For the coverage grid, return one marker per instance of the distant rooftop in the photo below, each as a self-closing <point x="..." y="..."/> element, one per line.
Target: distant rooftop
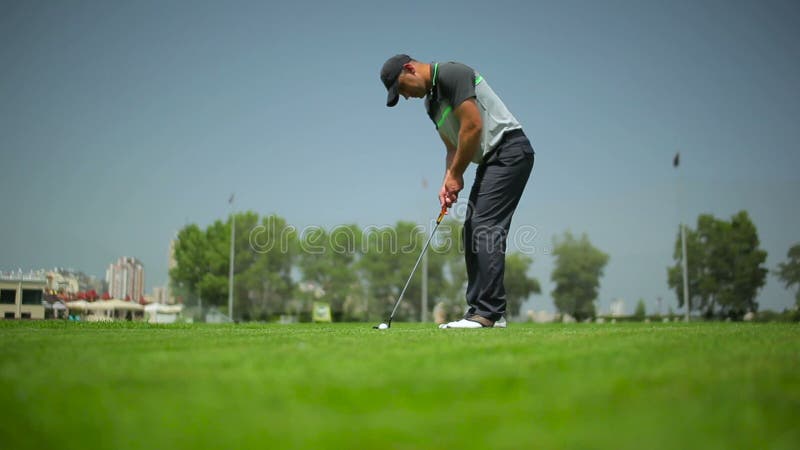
<point x="19" y="275"/>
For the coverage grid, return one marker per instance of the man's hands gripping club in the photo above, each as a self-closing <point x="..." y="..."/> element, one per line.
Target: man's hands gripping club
<point x="452" y="185"/>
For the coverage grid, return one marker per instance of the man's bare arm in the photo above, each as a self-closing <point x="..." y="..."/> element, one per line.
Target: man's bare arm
<point x="469" y="135"/>
<point x="469" y="139"/>
<point x="451" y="152"/>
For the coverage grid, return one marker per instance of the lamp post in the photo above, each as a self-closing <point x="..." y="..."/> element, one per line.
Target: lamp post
<point x="424" y="306"/>
<point x="424" y="317"/>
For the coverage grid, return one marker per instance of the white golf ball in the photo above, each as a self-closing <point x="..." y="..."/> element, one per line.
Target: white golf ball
<point x="383" y="326"/>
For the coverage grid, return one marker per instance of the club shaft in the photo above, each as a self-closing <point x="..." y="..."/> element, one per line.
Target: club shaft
<point x="414" y="270"/>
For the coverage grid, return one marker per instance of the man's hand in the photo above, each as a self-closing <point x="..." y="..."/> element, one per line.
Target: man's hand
<point x="452" y="185"/>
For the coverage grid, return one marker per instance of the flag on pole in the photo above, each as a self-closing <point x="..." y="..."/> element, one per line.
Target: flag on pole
<point x="230" y="200"/>
<point x="677" y="160"/>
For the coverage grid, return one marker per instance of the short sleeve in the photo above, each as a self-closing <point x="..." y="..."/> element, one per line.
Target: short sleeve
<point x="457" y="82"/>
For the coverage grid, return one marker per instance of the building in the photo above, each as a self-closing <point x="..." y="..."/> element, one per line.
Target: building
<point x="171" y="264"/>
<point x="70" y="283"/>
<point x="61" y="282"/>
<point x="125" y="279"/>
<point x="618" y="308"/>
<point x="21" y="295"/>
<point x="161" y="295"/>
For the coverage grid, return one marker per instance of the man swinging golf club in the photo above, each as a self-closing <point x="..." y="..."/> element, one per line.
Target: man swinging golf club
<point x="475" y="126"/>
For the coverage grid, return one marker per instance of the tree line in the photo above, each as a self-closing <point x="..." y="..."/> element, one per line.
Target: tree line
<point x="726" y="270"/>
<point x="360" y="272"/>
<point x="726" y="267"/>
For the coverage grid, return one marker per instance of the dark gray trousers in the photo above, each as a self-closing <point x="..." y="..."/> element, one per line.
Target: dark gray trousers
<point x="499" y="183"/>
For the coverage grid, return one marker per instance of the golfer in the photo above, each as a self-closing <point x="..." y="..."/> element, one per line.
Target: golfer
<point x="475" y="126"/>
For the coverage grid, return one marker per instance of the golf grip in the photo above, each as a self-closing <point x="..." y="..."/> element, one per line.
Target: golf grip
<point x="438" y="221"/>
<point x="441" y="215"/>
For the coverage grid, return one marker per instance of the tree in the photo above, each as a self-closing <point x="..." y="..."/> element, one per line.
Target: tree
<point x="519" y="286"/>
<point x="789" y="272"/>
<point x="579" y="266"/>
<point x="213" y="284"/>
<point x="725" y="266"/>
<point x="641" y="312"/>
<point x="189" y="252"/>
<point x="265" y="255"/>
<point x="327" y="259"/>
<point x="264" y="251"/>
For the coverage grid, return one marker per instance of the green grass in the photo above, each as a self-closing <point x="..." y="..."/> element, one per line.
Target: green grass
<point x="73" y="385"/>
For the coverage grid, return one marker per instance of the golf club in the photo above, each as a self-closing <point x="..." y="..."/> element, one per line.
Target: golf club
<point x="388" y="323"/>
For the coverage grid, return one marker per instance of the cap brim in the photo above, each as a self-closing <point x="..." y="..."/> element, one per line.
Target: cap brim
<point x="393" y="96"/>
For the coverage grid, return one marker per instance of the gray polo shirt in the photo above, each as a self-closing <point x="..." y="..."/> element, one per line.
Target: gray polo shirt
<point x="453" y="83"/>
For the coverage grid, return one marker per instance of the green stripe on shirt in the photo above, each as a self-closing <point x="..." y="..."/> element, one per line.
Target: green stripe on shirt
<point x="444" y="116"/>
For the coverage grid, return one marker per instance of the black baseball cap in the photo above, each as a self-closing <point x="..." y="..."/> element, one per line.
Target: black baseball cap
<point x="389" y="75"/>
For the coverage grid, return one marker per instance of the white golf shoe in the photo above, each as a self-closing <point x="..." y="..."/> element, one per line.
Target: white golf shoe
<point x="475" y="322"/>
<point x="463" y="323"/>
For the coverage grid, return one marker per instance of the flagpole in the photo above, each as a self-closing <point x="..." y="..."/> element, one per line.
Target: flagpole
<point x="684" y="258"/>
<point x="230" y="273"/>
<point x="685" y="270"/>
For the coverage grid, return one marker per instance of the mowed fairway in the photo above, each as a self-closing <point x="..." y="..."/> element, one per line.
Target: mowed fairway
<point x="132" y="385"/>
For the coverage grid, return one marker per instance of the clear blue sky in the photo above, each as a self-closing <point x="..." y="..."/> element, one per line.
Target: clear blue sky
<point x="120" y="122"/>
